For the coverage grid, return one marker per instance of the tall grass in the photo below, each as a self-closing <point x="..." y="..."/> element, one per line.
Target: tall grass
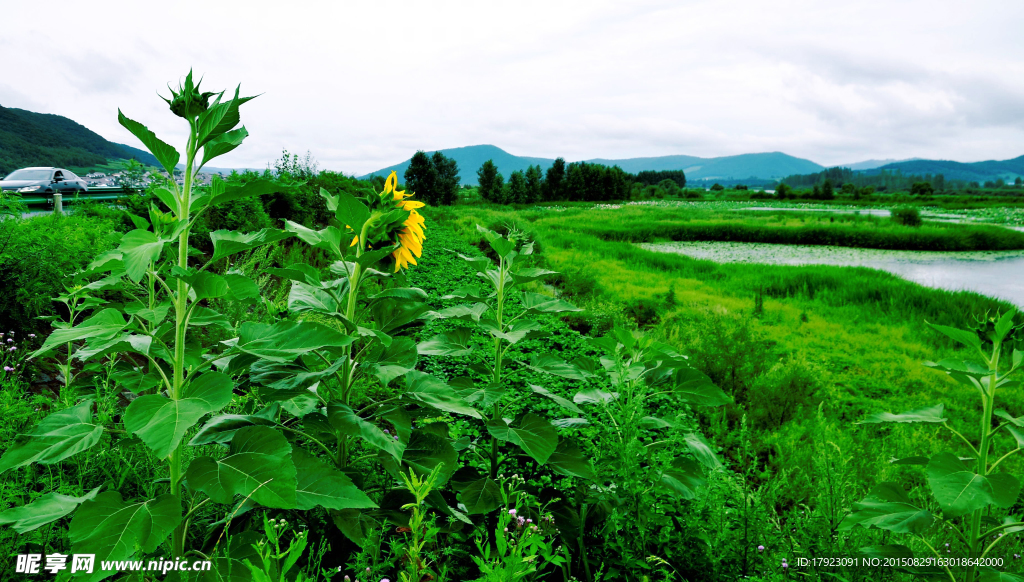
<point x="653" y="224"/>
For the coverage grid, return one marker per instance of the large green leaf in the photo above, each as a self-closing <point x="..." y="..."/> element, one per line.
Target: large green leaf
<point x="164" y="153"/>
<point x="139" y="249"/>
<point x="303" y="297"/>
<point x="532" y="433"/>
<point x="594" y="396"/>
<point x="57" y="437"/>
<point x="204" y="285"/>
<point x="481" y="496"/>
<point x="888" y="507"/>
<point x="104" y="325"/>
<point x="967" y="338"/>
<point x="286" y="340"/>
<point x="528" y="274"/>
<point x="219" y="117"/>
<point x="328" y="239"/>
<point x="390" y="362"/>
<point x="425" y="451"/>
<point x="926" y="414"/>
<point x="568" y="459"/>
<point x="556" y="366"/>
<point x="436" y="394"/>
<point x="701" y="449"/>
<point x="451" y="343"/>
<point x="222" y="428"/>
<point x="355" y="524"/>
<point x="229" y="242"/>
<point x="259" y="465"/>
<point x="563" y="402"/>
<point x="345" y="421"/>
<point x="694" y="387"/>
<point x="112" y="529"/>
<point x="234" y="191"/>
<point x="223" y="144"/>
<point x="126" y="342"/>
<point x="161" y="423"/>
<point x="46" y="509"/>
<point x="683" y="478"/>
<point x="348" y="210"/>
<point x="320" y="484"/>
<point x="537" y="303"/>
<point x="241" y="288"/>
<point x="959" y="490"/>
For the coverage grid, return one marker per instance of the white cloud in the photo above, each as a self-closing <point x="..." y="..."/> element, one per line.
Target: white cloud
<point x="362" y="84"/>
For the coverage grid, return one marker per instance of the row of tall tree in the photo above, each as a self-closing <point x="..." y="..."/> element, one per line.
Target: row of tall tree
<point x="434" y="179"/>
<point x="578" y="181"/>
<point x="884" y="180"/>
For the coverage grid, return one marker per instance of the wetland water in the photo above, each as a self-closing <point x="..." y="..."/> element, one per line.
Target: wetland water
<point x="993" y="273"/>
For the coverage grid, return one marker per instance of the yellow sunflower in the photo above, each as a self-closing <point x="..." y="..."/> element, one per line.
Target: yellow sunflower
<point x="411" y="237"/>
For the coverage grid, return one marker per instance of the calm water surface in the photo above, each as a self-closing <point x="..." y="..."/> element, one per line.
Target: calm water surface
<point x="993" y="273"/>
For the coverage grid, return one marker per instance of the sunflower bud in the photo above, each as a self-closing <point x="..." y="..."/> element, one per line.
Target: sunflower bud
<point x="188" y="102"/>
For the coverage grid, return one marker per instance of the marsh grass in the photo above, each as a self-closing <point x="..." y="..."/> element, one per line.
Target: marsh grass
<point x="851" y="338"/>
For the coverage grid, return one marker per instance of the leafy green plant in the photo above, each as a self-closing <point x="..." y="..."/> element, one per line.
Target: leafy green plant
<point x="968" y="490"/>
<point x="274" y="562"/>
<point x="165" y="298"/>
<point x="907" y="216"/>
<point x="503" y="316"/>
<point x="420" y="531"/>
<point x="525" y="538"/>
<point x="636" y="377"/>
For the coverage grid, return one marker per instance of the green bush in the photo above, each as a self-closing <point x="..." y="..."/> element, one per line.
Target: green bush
<point x="643" y="311"/>
<point x="780" y="394"/>
<point x="37" y="253"/>
<point x="907" y="216"/>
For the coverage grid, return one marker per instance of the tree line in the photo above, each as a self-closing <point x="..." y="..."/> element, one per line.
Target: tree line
<point x="572" y="182"/>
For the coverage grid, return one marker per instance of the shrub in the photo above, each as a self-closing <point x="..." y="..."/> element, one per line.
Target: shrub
<point x="907" y="216"/>
<point x="575" y="283"/>
<point x="643" y="311"/>
<point x="779" y="394"/>
<point x="35" y="256"/>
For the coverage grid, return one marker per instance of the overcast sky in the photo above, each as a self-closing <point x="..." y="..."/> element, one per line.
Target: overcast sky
<point x="362" y="85"/>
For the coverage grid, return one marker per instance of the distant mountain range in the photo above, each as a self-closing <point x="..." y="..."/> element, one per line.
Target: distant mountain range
<point x="41" y="139"/>
<point x="972" y="172"/>
<point x="764" y="166"/>
<point x="872" y="164"/>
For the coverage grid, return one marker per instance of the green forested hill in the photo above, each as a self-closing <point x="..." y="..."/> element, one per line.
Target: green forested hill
<point x="41" y="139"/>
<point x="973" y="171"/>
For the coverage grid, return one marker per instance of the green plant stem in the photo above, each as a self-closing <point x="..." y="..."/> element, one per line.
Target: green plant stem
<point x="181" y="324"/>
<point x="1001" y="459"/>
<point x="499" y="316"/>
<point x="937" y="555"/>
<point x="982" y="467"/>
<point x="350" y="311"/>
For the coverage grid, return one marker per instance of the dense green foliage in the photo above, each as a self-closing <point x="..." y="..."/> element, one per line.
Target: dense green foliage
<point x="277" y="373"/>
<point x="435" y="179"/>
<point x="575" y="182"/>
<point x="37" y="253"/>
<point x="650" y="224"/>
<point x="648" y="177"/>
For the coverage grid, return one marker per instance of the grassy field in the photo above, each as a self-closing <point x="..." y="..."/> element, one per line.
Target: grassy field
<point x="720" y="222"/>
<point x="797" y="346"/>
<point x="805" y="353"/>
